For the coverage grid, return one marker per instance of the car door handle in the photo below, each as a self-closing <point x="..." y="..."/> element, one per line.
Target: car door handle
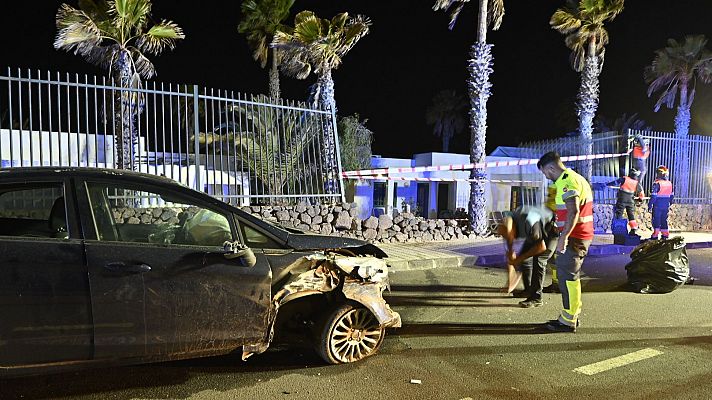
<point x="127" y="268"/>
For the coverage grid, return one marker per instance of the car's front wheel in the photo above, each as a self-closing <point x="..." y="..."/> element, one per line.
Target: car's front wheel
<point x="350" y="333"/>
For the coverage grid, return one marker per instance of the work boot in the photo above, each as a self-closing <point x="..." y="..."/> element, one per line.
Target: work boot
<point x="654" y="238"/>
<point x="531" y="303"/>
<point x="665" y="237"/>
<point x="555" y="321"/>
<point x="553" y="288"/>
<point x="632" y="232"/>
<point x="557" y="326"/>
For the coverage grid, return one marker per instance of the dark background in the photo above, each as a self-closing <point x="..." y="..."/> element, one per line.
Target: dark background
<point x="392" y="74"/>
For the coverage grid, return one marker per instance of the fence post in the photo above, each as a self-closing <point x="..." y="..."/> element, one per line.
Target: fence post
<point x="622" y="148"/>
<point x="196" y="143"/>
<point x="338" y="156"/>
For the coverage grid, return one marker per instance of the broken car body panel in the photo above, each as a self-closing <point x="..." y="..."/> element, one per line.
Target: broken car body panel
<point x="360" y="279"/>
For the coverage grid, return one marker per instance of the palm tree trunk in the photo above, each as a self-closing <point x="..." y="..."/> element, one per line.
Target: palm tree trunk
<point x="323" y="97"/>
<point x="479" y="89"/>
<point x="274" y="91"/>
<point x="124" y="121"/>
<point x="587" y="106"/>
<point x="681" y="167"/>
<point x="446" y="143"/>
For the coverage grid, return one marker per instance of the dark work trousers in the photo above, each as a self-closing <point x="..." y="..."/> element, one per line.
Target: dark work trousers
<point x="534" y="268"/>
<point x="626" y="206"/>
<point x="640" y="165"/>
<point x="660" y="217"/>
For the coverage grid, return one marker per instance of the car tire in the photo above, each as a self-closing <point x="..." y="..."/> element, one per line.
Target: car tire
<point x="349" y="333"/>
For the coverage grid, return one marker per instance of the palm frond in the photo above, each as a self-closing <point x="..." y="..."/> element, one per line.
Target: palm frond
<point x="583" y="22"/>
<point x="675" y="67"/>
<point x="261" y="20"/>
<point x="495" y="11"/>
<point x="77" y="31"/>
<point x="316" y="44"/>
<point x="160" y="37"/>
<point x="130" y="15"/>
<point x="143" y="65"/>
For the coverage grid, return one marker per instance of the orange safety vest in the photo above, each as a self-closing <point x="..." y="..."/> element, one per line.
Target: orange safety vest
<point x="630" y="185"/>
<point x="638" y="152"/>
<point x="665" y="188"/>
<point x="572" y="184"/>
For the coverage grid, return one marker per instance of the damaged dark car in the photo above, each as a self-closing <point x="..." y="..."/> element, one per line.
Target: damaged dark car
<point x="103" y="266"/>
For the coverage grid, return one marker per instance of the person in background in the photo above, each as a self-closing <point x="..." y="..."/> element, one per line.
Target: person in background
<point x="574" y="217"/>
<point x="629" y="188"/>
<point x="538" y="229"/>
<point x="661" y="198"/>
<point x="641" y="152"/>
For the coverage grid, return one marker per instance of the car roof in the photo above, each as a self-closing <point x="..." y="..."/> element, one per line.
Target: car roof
<point x="81" y="171"/>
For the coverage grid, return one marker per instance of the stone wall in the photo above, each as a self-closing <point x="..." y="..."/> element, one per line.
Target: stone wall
<point x="682" y="217"/>
<point x="342" y="220"/>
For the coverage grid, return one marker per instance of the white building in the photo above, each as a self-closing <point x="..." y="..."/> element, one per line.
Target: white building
<point x="505" y="190"/>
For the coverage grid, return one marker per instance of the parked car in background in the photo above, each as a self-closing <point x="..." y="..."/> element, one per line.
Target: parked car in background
<point x="104" y="266"/>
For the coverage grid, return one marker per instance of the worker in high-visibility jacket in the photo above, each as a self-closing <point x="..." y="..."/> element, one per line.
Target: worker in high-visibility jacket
<point x="661" y="197"/>
<point x="641" y="152"/>
<point x="574" y="217"/>
<point x="628" y="189"/>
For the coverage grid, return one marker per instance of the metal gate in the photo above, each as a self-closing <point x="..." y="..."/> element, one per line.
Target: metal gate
<point x="243" y="149"/>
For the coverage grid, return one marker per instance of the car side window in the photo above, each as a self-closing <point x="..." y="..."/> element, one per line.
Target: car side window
<point x="132" y="214"/>
<point x="257" y="239"/>
<point x="33" y="210"/>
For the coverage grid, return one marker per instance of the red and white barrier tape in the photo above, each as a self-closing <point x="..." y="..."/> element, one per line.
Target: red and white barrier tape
<point x="462" y="167"/>
<point x="418" y="179"/>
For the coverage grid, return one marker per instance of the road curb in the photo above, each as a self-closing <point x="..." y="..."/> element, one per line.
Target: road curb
<point x="596" y="250"/>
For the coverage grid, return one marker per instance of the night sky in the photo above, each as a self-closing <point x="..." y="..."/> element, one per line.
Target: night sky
<point x="392" y="74"/>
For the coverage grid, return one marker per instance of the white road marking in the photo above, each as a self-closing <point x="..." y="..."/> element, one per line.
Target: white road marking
<point x="615" y="362"/>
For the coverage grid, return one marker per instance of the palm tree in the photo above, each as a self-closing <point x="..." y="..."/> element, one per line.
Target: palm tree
<point x="674" y="74"/>
<point x="115" y="35"/>
<point x="261" y="20"/>
<point x="446" y="115"/>
<point x="582" y="24"/>
<point x="479" y="90"/>
<point x="319" y="45"/>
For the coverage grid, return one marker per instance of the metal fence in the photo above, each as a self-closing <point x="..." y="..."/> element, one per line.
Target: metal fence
<point x="243" y="149"/>
<point x="692" y="182"/>
<point x="603" y="170"/>
<point x="665" y="150"/>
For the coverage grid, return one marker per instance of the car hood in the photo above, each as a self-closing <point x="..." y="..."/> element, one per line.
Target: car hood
<point x="322" y="242"/>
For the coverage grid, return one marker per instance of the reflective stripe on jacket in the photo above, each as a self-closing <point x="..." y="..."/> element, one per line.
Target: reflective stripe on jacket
<point x="568" y="185"/>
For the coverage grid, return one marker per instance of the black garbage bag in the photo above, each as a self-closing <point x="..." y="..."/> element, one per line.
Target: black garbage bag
<point x="658" y="266"/>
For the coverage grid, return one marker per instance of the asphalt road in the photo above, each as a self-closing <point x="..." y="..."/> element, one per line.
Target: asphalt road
<point x="462" y="339"/>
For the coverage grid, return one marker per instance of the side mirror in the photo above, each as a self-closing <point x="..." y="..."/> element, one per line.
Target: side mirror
<point x="235" y="250"/>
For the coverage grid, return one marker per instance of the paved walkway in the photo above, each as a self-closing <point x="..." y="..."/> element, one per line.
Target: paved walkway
<point x="490" y="251"/>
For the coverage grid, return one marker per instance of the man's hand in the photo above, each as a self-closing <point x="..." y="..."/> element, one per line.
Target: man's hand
<point x="561" y="245"/>
<point x="511" y="257"/>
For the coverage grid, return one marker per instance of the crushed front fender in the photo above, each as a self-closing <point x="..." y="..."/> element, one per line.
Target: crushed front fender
<point x="360" y="279"/>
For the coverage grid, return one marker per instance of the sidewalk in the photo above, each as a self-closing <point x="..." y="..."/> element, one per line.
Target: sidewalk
<point x="489" y="252"/>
